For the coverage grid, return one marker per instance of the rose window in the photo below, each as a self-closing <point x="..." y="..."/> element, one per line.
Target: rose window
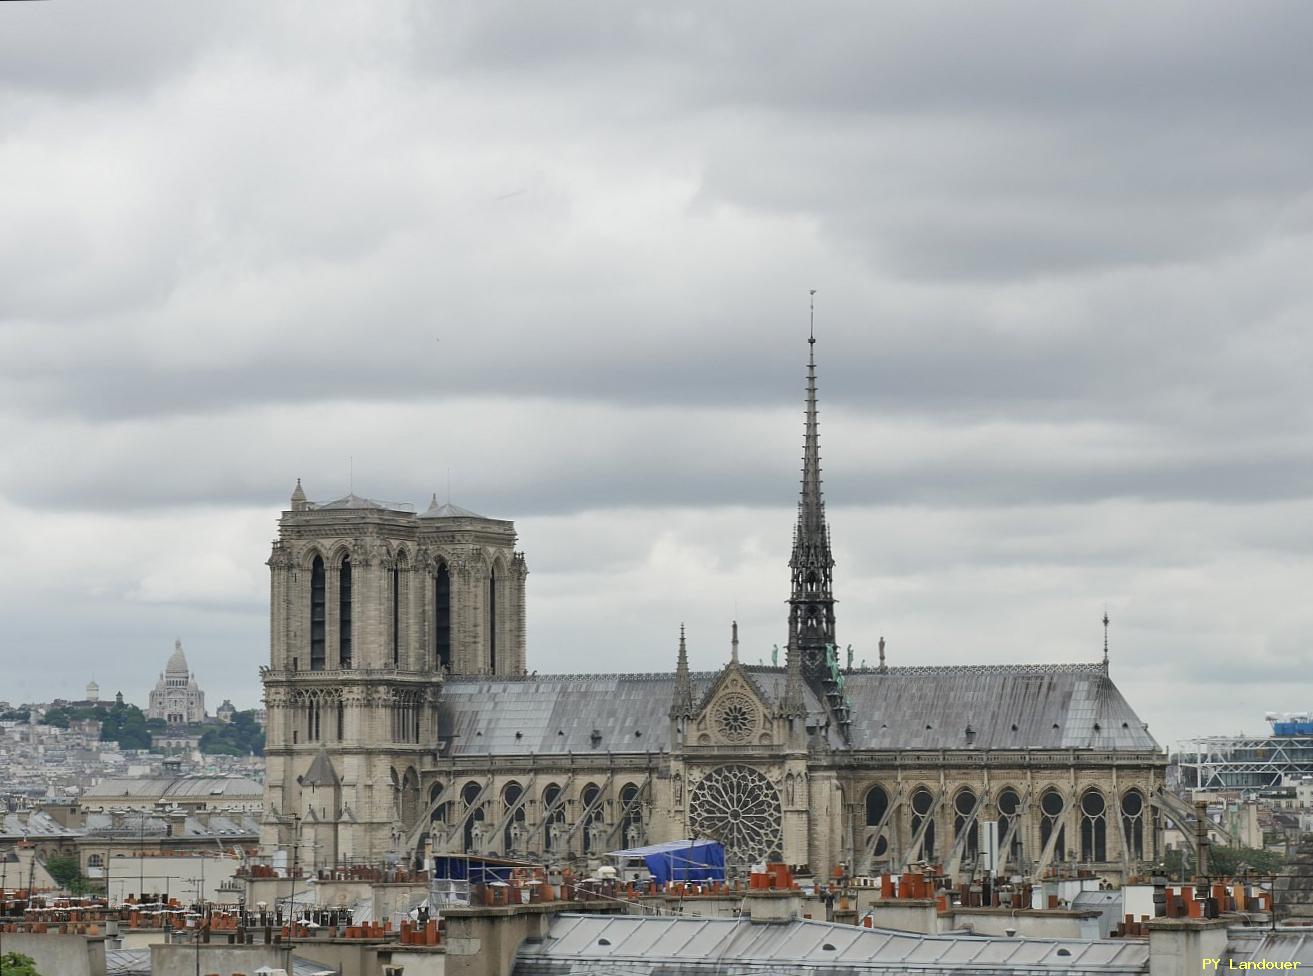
<point x="735" y="717"/>
<point x="739" y="807"/>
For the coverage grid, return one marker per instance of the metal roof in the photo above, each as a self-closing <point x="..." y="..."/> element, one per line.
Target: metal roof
<point x="560" y="713"/>
<point x="1062" y="706"/>
<point x="354" y="501"/>
<point x="34" y="824"/>
<point x="1039" y="706"/>
<point x="169" y="788"/>
<point x="1274" y="945"/>
<point x="447" y="510"/>
<point x="136" y="962"/>
<point x="639" y="946"/>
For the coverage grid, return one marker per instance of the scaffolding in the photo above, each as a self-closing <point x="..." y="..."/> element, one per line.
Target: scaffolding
<point x="1244" y="763"/>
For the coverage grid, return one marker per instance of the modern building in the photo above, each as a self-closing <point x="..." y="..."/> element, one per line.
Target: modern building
<point x="176" y="697"/>
<point x="1250" y="762"/>
<point x="402" y="719"/>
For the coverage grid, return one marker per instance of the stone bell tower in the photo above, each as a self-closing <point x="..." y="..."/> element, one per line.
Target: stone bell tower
<point x="371" y="606"/>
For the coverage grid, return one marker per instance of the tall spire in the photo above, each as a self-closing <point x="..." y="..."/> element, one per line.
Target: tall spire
<point x="811" y="602"/>
<point x="811" y="506"/>
<point x="681" y="705"/>
<point x="1105" y="637"/>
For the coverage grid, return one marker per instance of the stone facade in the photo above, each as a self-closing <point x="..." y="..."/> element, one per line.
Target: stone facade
<point x="421" y="743"/>
<point x="176" y="697"/>
<point x="371" y="607"/>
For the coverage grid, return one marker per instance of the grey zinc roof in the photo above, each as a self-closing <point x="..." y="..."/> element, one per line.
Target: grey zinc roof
<point x="1052" y="706"/>
<point x="34" y="824"/>
<point x="558" y="713"/>
<point x="902" y="708"/>
<point x="646" y="945"/>
<point x="447" y="510"/>
<point x="354" y="501"/>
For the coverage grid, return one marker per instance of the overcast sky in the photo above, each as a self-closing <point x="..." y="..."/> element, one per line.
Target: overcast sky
<point x="560" y="253"/>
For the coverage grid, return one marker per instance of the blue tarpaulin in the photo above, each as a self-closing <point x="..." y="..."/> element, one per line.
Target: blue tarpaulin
<point x="477" y="870"/>
<point x="681" y="860"/>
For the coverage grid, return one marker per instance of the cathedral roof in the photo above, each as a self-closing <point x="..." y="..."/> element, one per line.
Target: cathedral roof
<point x="1021" y="706"/>
<point x="1059" y="706"/>
<point x="579" y="713"/>
<point x="354" y="501"/>
<point x="447" y="510"/>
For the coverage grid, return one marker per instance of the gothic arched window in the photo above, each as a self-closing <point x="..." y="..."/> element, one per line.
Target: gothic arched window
<point x="442" y="617"/>
<point x="469" y="794"/>
<point x="510" y="798"/>
<point x="1050" y="807"/>
<point x="396" y="617"/>
<point x="1133" y="822"/>
<point x="438" y="812"/>
<point x="492" y="621"/>
<point x="318" y="615"/>
<point x="877" y="805"/>
<point x="553" y="813"/>
<point x="1093" y="826"/>
<point x="963" y="806"/>
<point x="632" y="812"/>
<point x="1009" y="802"/>
<point x="922" y="803"/>
<point x="344" y="613"/>
<point x="592" y="813"/>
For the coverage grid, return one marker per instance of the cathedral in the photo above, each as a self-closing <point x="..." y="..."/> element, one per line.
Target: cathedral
<point x="403" y="722"/>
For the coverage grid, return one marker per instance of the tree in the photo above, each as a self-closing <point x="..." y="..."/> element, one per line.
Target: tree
<point x="17" y="964"/>
<point x="67" y="873"/>
<point x="1225" y="862"/>
<point x="240" y="737"/>
<point x="126" y="725"/>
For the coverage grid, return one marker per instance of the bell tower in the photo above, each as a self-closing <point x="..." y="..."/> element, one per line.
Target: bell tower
<point x="372" y="606"/>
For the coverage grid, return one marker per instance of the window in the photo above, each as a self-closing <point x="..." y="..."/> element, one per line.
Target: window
<point x="442" y="617"/>
<point x="492" y="621"/>
<point x="1093" y="827"/>
<point x="877" y="805"/>
<point x="964" y="804"/>
<point x="396" y="618"/>
<point x="468" y="796"/>
<point x="631" y="812"/>
<point x="553" y="814"/>
<point x="922" y="803"/>
<point x="510" y="798"/>
<point x="592" y="813"/>
<point x="341" y="721"/>
<point x="344" y="613"/>
<point x="1133" y="822"/>
<point x="1009" y="802"/>
<point x="317" y="614"/>
<point x="1051" y="808"/>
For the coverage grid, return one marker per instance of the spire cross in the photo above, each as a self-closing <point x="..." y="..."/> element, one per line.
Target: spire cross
<point x="1105" y="636"/>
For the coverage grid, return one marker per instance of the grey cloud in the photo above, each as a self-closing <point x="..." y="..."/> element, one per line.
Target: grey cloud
<point x="1062" y="257"/>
